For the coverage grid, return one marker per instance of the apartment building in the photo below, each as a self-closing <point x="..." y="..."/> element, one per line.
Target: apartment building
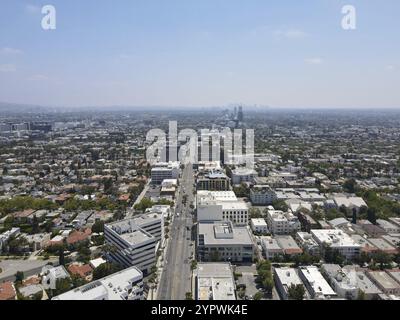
<point x="337" y="240"/>
<point x="280" y="222"/>
<point x="262" y="195"/>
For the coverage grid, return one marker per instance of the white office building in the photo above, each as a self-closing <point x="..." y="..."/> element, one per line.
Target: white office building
<point x="240" y="175"/>
<point x="133" y="245"/>
<point x="165" y="170"/>
<point x="123" y="285"/>
<point x="221" y="241"/>
<point x="221" y="206"/>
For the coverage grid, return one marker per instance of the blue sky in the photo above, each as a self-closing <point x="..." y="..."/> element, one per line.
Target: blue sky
<point x="201" y="53"/>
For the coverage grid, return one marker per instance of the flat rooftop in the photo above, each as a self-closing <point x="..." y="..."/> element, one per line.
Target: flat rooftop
<point x="215" y="281"/>
<point x="317" y="281"/>
<point x="112" y="286"/>
<point x="383" y="279"/>
<point x="334" y="237"/>
<point x="236" y="235"/>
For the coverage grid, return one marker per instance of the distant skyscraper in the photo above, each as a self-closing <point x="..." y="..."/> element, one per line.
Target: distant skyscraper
<point x="240" y="114"/>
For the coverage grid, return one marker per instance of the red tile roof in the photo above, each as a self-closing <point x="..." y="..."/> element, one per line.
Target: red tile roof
<point x="7" y="291"/>
<point x="77" y="236"/>
<point x="81" y="270"/>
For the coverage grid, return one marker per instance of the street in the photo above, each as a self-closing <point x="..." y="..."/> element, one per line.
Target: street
<point x="176" y="277"/>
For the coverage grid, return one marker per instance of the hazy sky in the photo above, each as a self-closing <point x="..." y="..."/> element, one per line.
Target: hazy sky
<point x="203" y="52"/>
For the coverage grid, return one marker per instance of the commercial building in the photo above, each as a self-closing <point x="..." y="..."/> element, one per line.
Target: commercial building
<point x="221" y="206"/>
<point x="284" y="279"/>
<point x="337" y="240"/>
<point x="280" y="222"/>
<point x="221" y="241"/>
<point x="216" y="180"/>
<point x="162" y="171"/>
<point x="262" y="195"/>
<point x="214" y="281"/>
<point x="133" y="245"/>
<point x="317" y="286"/>
<point x="123" y="285"/>
<point x="240" y="175"/>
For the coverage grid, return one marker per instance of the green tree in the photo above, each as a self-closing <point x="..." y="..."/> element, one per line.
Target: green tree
<point x="296" y="292"/>
<point x="19" y="277"/>
<point x="105" y="269"/>
<point x="144" y="204"/>
<point x="258" y="296"/>
<point x="361" y="295"/>
<point x="98" y="227"/>
<point x="371" y="214"/>
<point x="188" y="296"/>
<point x="350" y="186"/>
<point x="62" y="285"/>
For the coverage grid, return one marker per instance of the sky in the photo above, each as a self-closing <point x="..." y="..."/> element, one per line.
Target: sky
<point x="280" y="53"/>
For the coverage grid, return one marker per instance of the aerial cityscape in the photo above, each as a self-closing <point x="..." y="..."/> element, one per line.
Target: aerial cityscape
<point x="114" y="187"/>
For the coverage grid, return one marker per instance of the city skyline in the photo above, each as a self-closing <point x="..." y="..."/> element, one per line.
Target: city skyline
<point x="198" y="54"/>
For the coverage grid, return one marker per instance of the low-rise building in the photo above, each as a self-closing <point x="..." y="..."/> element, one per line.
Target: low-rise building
<point x="384" y="282"/>
<point x="259" y="225"/>
<point x="214" y="281"/>
<point x="221" y="241"/>
<point x="343" y="281"/>
<point x="317" y="286"/>
<point x="288" y="245"/>
<point x="262" y="195"/>
<point x="337" y="240"/>
<point x="388" y="226"/>
<point x="240" y="175"/>
<point x="382" y="245"/>
<point x="281" y="223"/>
<point x="51" y="274"/>
<point x="271" y="247"/>
<point x="307" y="242"/>
<point x="284" y="279"/>
<point x="123" y="285"/>
<point x="216" y="180"/>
